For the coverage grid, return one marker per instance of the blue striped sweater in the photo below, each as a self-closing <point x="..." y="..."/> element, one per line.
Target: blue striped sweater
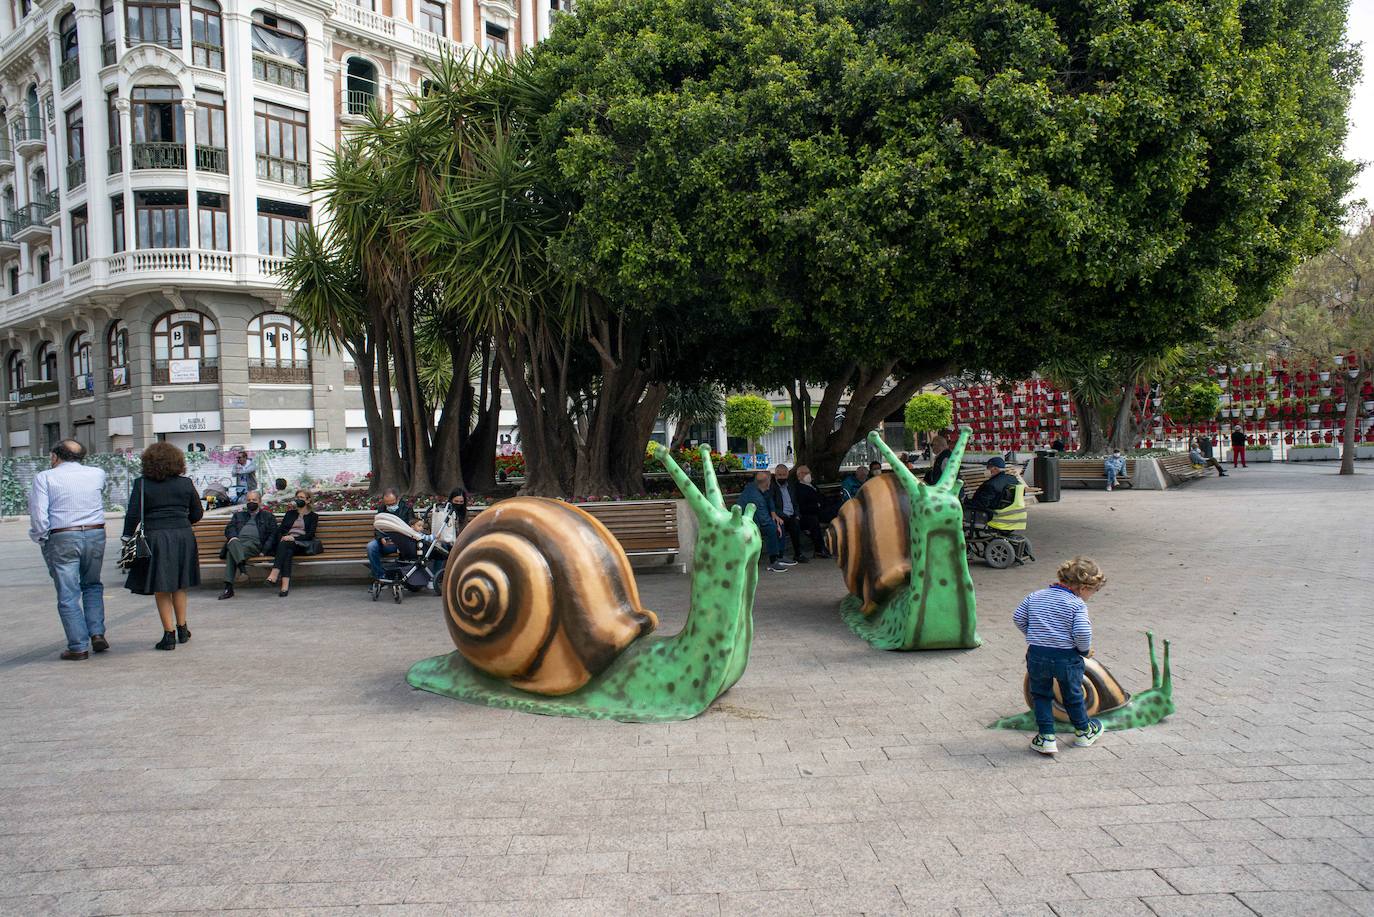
<point x="1055" y="617"/>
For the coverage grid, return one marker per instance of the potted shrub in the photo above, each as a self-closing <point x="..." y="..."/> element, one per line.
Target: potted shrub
<point x="1313" y="452"/>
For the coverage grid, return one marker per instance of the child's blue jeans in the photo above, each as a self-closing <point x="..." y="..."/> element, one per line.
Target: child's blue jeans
<point x="1046" y="665"/>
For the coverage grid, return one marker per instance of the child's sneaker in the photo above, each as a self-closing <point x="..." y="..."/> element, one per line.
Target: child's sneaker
<point x="1046" y="745"/>
<point x="1090" y="735"/>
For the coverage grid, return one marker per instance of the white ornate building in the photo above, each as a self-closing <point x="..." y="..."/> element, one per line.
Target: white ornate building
<point x="153" y="170"/>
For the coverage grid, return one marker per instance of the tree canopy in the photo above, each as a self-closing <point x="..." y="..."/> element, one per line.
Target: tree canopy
<point x="929" y="411"/>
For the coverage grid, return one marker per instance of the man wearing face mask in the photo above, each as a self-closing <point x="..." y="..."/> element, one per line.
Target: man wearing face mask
<point x="808" y="502"/>
<point x="383" y="544"/>
<point x="248" y="532"/>
<point x="785" y="505"/>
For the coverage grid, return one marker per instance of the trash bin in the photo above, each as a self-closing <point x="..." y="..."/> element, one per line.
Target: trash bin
<point x="1047" y="475"/>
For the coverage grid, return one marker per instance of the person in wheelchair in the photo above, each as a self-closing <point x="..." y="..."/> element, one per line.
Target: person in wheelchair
<point x="997" y="491"/>
<point x="995" y="519"/>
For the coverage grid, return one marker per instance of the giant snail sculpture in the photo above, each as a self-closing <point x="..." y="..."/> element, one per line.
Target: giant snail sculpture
<point x="1105" y="699"/>
<point x="900" y="545"/>
<point x="543" y="608"/>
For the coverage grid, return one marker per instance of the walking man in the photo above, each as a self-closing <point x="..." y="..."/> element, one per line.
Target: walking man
<point x="67" y="513"/>
<point x="249" y="531"/>
<point x="1238" y="448"/>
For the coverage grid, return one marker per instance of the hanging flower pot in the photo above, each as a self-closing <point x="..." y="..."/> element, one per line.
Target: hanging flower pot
<point x="1327" y="437"/>
<point x="1326" y="391"/>
<point x="1269" y="379"/>
<point x="1324" y="375"/>
<point x="1314" y="425"/>
<point x="1289" y="439"/>
<point x="1340" y="358"/>
<point x="1249" y="366"/>
<point x="1368" y="406"/>
<point x="1313" y="408"/>
<point x="1340" y="407"/>
<point x="1273" y="424"/>
<point x="1259" y="413"/>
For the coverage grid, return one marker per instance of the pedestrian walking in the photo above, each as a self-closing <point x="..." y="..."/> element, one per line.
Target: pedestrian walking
<point x="67" y="522"/>
<point x="1238" y="448"/>
<point x="165" y="503"/>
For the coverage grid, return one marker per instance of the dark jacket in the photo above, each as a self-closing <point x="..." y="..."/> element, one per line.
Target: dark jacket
<point x="937" y="467"/>
<point x="401" y="511"/>
<point x="994" y="493"/>
<point x="311" y="520"/>
<point x="1204" y="445"/>
<point x="1237" y="439"/>
<point x="775" y="492"/>
<point x="755" y="502"/>
<point x="808" y="500"/>
<point x="169" y="504"/>
<point x="262" y="520"/>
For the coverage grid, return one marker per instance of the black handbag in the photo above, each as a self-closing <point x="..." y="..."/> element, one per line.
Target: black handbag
<point x="136" y="550"/>
<point x="310" y="546"/>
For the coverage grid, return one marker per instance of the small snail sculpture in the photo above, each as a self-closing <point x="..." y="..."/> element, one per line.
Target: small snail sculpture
<point x="900" y="544"/>
<point x="1106" y="700"/>
<point x="543" y="608"/>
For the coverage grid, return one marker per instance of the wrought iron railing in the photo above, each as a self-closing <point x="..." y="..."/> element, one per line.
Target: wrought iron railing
<point x="70" y="71"/>
<point x="76" y="173"/>
<point x="359" y="101"/>
<point x="81" y="386"/>
<point x="115" y="156"/>
<point x="209" y="371"/>
<point x="286" y="171"/>
<point x="28" y="130"/>
<point x="108" y="54"/>
<point x="260" y="371"/>
<point x="158" y="155"/>
<point x="212" y="159"/>
<point x="283" y="73"/>
<point x="6" y="153"/>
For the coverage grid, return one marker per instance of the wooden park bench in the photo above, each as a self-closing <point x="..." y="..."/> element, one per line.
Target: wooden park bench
<point x="647" y="528"/>
<point x="972" y="476"/>
<point x="1093" y="471"/>
<point x="1179" y="467"/>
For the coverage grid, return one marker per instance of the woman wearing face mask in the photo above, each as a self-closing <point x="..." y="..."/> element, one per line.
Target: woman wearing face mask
<point x="296" y="535"/>
<point x="809" y="509"/>
<point x="446" y="522"/>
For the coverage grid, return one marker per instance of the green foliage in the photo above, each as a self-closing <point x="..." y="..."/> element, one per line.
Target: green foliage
<point x="695" y="403"/>
<point x="748" y="416"/>
<point x="1192" y="402"/>
<point x="929" y="411"/>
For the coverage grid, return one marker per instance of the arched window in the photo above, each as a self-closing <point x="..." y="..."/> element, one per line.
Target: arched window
<point x="79" y="355"/>
<point x="277" y="350"/>
<point x="117" y="349"/>
<point x="47" y="362"/>
<point x="185" y="336"/>
<point x="35" y="113"/>
<point x="278" y="50"/>
<point x="207" y="34"/>
<point x="362" y="85"/>
<point x="40" y="185"/>
<point x="18" y="371"/>
<point x="67" y="44"/>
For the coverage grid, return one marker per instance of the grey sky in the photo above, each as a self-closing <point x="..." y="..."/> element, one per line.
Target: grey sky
<point x="1360" y="144"/>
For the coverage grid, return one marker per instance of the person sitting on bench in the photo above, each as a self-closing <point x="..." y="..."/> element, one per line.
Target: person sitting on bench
<point x="249" y="532"/>
<point x="383" y="544"/>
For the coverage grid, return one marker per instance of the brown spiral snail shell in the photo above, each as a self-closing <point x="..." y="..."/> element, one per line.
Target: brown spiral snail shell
<point x="1101" y="692"/>
<point x="540" y="593"/>
<point x="871" y="542"/>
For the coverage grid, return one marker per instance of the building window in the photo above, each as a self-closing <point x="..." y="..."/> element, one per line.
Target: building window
<point x="277" y="351"/>
<point x="79" y="355"/>
<point x="212" y="149"/>
<point x="107" y="34"/>
<point x="80" y="252"/>
<point x="9" y="205"/>
<point x="117" y="223"/>
<point x="278" y="51"/>
<point x="498" y="40"/>
<point x="117" y="349"/>
<point x="157" y="22"/>
<point x="432" y="17"/>
<point x="362" y="86"/>
<point x="213" y="211"/>
<point x="115" y="153"/>
<point x="161" y="219"/>
<point x="76" y="148"/>
<point x="18" y="371"/>
<point x="47" y="362"/>
<point x="283" y="144"/>
<point x="185" y="336"/>
<point x="67" y="44"/>
<point x="44" y="267"/>
<point x="278" y="225"/>
<point x="207" y="35"/>
<point x="14" y="281"/>
<point x="159" y="127"/>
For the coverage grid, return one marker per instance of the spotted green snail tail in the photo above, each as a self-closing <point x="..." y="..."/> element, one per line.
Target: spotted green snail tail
<point x="935" y="607"/>
<point x="655" y="678"/>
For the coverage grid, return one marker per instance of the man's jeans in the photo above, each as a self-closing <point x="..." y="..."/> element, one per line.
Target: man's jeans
<point x="375" y="551"/>
<point x="1046" y="665"/>
<point x="74" y="560"/>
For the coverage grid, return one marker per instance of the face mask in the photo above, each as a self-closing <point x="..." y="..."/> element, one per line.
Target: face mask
<point x="806" y="479"/>
<point x="251" y="507"/>
<point x="388" y="506"/>
<point x="300" y="504"/>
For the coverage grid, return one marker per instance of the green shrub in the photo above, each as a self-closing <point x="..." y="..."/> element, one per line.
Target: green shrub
<point x="928" y="412"/>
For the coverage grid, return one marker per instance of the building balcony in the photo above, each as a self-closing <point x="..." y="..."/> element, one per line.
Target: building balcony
<point x="358" y="101"/>
<point x="115" y="156"/>
<point x="212" y="159"/>
<point x="82" y="386"/>
<point x="76" y="173"/>
<point x="286" y="171"/>
<point x="6" y="159"/>
<point x="272" y="373"/>
<point x="283" y="73"/>
<point x="70" y="72"/>
<point x="208" y="370"/>
<point x="28" y="136"/>
<point x="158" y="155"/>
<point x="30" y="222"/>
<point x="7" y="240"/>
<point x="35" y="395"/>
<point x="119" y="378"/>
<point x="108" y="54"/>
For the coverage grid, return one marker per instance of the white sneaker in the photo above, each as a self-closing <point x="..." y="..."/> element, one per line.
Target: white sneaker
<point x="776" y="568"/>
<point x="1088" y="736"/>
<point x="787" y="563"/>
<point x="1046" y="745"/>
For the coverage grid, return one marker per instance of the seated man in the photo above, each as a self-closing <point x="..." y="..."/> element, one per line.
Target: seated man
<point x="1114" y="465"/>
<point x="851" y="484"/>
<point x="1196" y="457"/>
<point x="996" y="492"/>
<point x="249" y="531"/>
<point x="383" y="544"/>
<point x="756" y="502"/>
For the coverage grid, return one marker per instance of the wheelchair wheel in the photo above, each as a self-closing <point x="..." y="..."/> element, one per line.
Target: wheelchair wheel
<point x="999" y="553"/>
<point x="396" y="593"/>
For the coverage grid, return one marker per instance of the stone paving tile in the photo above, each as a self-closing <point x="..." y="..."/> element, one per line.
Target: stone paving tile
<point x="300" y="774"/>
<point x="1294" y="904"/>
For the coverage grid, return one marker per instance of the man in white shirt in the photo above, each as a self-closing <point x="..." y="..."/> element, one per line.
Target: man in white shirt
<point x="67" y="513"/>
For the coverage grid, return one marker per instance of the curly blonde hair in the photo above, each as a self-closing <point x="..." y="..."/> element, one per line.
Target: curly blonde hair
<point x="1082" y="572"/>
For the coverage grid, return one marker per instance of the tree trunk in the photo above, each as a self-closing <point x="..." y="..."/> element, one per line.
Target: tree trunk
<point x="547" y="438"/>
<point x="479" y="458"/>
<point x="631" y="436"/>
<point x="1352" y="417"/>
<point x="1090" y="437"/>
<point x="376" y="380"/>
<point x="455" y="417"/>
<point x="1123" y="424"/>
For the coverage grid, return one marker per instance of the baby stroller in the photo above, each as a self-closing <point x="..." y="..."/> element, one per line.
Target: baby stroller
<point x="402" y="575"/>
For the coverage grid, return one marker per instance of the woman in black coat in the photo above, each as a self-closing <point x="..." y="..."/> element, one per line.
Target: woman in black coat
<point x="167" y="504"/>
<point x="295" y="535"/>
<point x="808" y="502"/>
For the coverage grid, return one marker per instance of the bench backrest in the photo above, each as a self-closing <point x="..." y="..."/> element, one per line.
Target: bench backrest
<point x="1090" y="468"/>
<point x="648" y="525"/>
<point x="343" y="535"/>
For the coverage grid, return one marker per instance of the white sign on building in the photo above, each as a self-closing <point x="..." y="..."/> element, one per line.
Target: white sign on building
<point x="180" y="372"/>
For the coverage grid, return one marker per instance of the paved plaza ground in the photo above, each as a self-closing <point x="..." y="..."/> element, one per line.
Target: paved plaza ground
<point x="280" y="761"/>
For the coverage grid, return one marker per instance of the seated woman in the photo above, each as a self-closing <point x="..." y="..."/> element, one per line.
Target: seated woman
<point x="294" y="536"/>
